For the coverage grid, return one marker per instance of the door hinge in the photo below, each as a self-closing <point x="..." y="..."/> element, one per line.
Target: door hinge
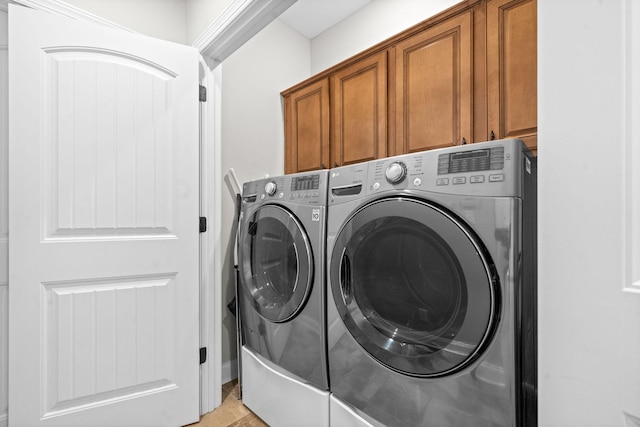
<point x="203" y="94"/>
<point x="203" y="224"/>
<point x="203" y="355"/>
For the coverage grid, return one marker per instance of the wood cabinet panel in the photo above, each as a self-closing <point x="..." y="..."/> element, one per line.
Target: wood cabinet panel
<point x="433" y="92"/>
<point x="359" y="111"/>
<point x="307" y="128"/>
<point x="468" y="74"/>
<point x="512" y="70"/>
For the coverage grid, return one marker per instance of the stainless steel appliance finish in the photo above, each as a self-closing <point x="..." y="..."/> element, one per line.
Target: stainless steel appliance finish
<point x="281" y="267"/>
<point x="432" y="288"/>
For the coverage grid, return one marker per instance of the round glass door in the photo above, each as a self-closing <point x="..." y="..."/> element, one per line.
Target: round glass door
<point x="414" y="287"/>
<point x="276" y="263"/>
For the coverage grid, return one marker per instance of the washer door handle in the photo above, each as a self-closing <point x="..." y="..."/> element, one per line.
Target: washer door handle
<point x="345" y="278"/>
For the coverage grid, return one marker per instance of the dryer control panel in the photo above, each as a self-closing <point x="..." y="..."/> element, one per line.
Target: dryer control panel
<point x="302" y="189"/>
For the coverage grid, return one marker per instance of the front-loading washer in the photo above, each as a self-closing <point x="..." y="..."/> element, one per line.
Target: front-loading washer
<point x="432" y="288"/>
<point x="282" y="295"/>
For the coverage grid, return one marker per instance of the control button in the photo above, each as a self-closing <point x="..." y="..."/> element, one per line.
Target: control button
<point x="442" y="181"/>
<point x="396" y="172"/>
<point x="281" y="195"/>
<point x="417" y="182"/>
<point x="459" y="180"/>
<point x="262" y="197"/>
<point x="476" y="179"/>
<point x="496" y="178"/>
<point x="270" y="188"/>
<point x="375" y="186"/>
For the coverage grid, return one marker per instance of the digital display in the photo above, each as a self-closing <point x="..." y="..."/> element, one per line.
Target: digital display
<point x="308" y="182"/>
<point x="470" y="155"/>
<point x="471" y="161"/>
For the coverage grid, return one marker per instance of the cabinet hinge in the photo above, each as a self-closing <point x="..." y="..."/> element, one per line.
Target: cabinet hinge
<point x="203" y="224"/>
<point x="203" y="355"/>
<point x="203" y="94"/>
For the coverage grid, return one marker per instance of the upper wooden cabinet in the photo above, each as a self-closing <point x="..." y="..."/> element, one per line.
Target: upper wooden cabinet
<point x="359" y="111"/>
<point x="434" y="87"/>
<point x="512" y="70"/>
<point x="306" y="114"/>
<point x="468" y="74"/>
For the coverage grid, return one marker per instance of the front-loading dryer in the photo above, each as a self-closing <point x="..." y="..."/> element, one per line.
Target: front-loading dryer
<point x="281" y="262"/>
<point x="431" y="288"/>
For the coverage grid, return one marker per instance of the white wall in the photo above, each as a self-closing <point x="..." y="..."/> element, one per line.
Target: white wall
<point x="201" y="13"/>
<point x="253" y="129"/>
<point x="375" y="22"/>
<point x="179" y="21"/>
<point x="163" y="19"/>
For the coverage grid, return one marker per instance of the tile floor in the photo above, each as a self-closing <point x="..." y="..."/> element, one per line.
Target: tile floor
<point x="232" y="413"/>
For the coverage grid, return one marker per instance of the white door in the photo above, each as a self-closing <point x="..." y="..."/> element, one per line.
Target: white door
<point x="103" y="207"/>
<point x="589" y="213"/>
<point x="4" y="214"/>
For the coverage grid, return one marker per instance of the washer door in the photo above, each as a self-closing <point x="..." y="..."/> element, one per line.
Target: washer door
<point x="276" y="263"/>
<point x="414" y="287"/>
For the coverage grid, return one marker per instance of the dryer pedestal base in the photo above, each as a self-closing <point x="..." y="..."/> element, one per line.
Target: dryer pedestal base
<point x="279" y="399"/>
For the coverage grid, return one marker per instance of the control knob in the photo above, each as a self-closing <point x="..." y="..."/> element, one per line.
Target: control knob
<point x="396" y="172"/>
<point x="270" y="188"/>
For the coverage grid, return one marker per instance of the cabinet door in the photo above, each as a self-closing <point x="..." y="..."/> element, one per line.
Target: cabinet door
<point x="433" y="93"/>
<point x="512" y="70"/>
<point x="359" y="111"/>
<point x="307" y="128"/>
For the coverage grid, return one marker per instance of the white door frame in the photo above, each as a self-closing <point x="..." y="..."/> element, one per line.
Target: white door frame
<point x="4" y="212"/>
<point x="210" y="259"/>
<point x="240" y="21"/>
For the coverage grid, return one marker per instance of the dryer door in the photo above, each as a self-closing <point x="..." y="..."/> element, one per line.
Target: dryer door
<point x="414" y="287"/>
<point x="276" y="263"/>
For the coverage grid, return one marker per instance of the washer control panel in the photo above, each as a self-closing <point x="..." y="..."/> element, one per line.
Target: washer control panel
<point x="486" y="168"/>
<point x="484" y="159"/>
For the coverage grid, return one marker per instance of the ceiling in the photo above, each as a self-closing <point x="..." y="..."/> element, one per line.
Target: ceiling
<point x="312" y="17"/>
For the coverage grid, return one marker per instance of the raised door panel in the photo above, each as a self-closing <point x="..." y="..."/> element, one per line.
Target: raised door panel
<point x="359" y="111"/>
<point x="434" y="86"/>
<point x="512" y="70"/>
<point x="110" y="120"/>
<point x="307" y="128"/>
